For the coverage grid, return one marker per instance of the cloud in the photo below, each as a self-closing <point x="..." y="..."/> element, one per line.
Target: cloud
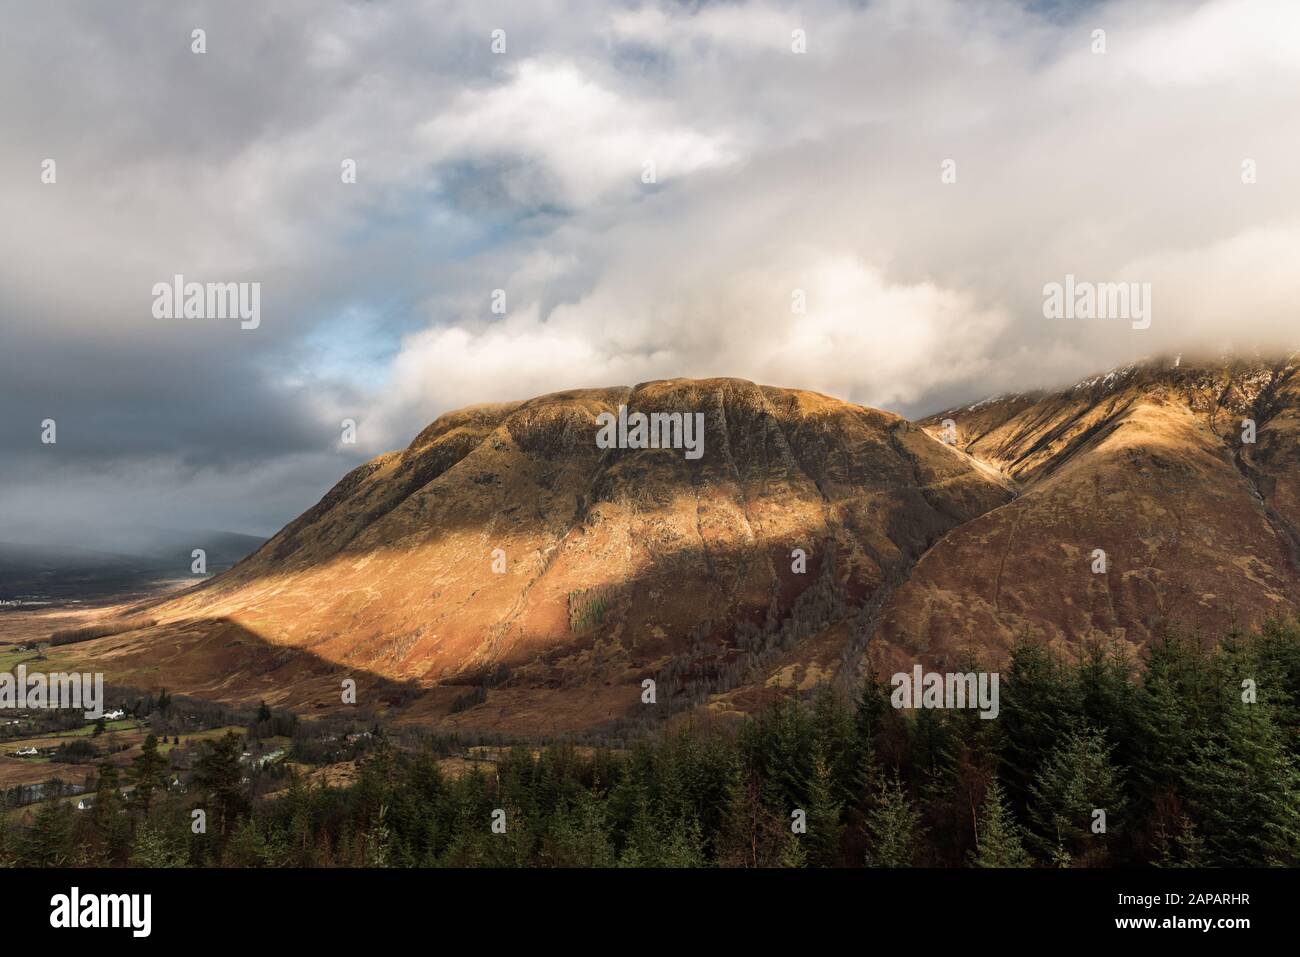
<point x="580" y="137"/>
<point x="776" y="171"/>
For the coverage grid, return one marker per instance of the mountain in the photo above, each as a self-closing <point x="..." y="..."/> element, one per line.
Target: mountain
<point x="1147" y="463"/>
<point x="506" y="573"/>
<point x="618" y="564"/>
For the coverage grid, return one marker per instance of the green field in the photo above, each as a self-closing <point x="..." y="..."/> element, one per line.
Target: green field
<point x="124" y="724"/>
<point x="11" y="658"/>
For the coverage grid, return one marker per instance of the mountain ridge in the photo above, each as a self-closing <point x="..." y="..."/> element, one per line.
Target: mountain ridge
<point x="1160" y="444"/>
<point x="622" y="565"/>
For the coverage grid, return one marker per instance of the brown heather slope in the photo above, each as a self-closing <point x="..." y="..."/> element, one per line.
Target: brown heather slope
<point x="621" y="564"/>
<point x="1200" y="530"/>
<point x="624" y="564"/>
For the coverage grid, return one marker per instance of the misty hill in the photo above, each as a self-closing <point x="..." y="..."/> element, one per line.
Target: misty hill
<point x="142" y="558"/>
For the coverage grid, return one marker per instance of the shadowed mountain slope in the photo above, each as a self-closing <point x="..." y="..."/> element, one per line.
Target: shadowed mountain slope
<point x="1149" y="465"/>
<point x="505" y="573"/>
<point x="612" y="564"/>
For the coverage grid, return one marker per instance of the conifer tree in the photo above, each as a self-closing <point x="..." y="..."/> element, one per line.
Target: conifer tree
<point x="1245" y="788"/>
<point x="155" y="846"/>
<point x="787" y="757"/>
<point x="217" y="773"/>
<point x="998" y="838"/>
<point x="48" y="842"/>
<point x="590" y="842"/>
<point x="1167" y="719"/>
<point x="642" y="848"/>
<point x="834" y="741"/>
<point x="148" y="773"/>
<point x="1075" y="781"/>
<point x="1179" y="846"/>
<point x="1035" y="704"/>
<point x="792" y="853"/>
<point x="112" y="825"/>
<point x="1172" y="717"/>
<point x="1105" y="693"/>
<point x="468" y="821"/>
<point x="752" y="836"/>
<point x="297" y="804"/>
<point x="823" y="818"/>
<point x="683" y="845"/>
<point x="1277" y="654"/>
<point x="893" y="827"/>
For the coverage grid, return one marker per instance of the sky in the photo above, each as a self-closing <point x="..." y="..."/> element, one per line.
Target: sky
<point x="864" y="199"/>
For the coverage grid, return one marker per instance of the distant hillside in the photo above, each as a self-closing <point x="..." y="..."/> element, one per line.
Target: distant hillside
<point x="59" y="572"/>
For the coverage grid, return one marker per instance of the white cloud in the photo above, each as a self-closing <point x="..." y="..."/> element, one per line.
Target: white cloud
<point x="860" y="337"/>
<point x="777" y="171"/>
<point x="588" y="137"/>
